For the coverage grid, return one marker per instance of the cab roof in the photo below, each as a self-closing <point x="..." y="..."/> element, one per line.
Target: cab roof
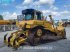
<point x="30" y="11"/>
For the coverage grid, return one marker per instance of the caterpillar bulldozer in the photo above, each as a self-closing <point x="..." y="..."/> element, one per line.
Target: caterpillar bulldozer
<point x="33" y="29"/>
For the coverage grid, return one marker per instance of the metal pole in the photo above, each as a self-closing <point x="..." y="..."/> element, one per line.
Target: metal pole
<point x="4" y="27"/>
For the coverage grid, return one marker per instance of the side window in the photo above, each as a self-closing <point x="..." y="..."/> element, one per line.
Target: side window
<point x="39" y="16"/>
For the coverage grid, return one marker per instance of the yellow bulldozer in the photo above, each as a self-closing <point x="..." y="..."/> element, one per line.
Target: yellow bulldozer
<point x="33" y="29"/>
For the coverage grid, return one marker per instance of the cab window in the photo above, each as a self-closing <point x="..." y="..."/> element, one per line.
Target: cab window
<point x="39" y="16"/>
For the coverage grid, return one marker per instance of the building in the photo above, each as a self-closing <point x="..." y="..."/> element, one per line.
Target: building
<point x="66" y="22"/>
<point x="20" y="17"/>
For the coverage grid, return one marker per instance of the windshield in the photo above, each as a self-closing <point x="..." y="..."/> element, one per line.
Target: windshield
<point x="28" y="17"/>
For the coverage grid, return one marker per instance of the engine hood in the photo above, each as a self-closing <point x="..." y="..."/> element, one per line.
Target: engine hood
<point x="22" y="23"/>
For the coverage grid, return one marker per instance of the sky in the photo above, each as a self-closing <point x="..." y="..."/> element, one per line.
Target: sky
<point x="59" y="9"/>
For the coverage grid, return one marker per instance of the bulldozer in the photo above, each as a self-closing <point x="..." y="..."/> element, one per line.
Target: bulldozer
<point x="33" y="29"/>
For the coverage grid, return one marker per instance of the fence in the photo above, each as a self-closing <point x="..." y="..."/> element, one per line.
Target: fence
<point x="7" y="27"/>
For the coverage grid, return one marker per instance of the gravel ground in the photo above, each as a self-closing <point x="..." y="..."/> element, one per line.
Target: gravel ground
<point x="55" y="46"/>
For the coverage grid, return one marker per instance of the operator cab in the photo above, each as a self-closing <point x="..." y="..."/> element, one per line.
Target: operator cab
<point x="31" y="14"/>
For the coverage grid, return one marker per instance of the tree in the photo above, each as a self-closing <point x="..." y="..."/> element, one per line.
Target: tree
<point x="1" y="17"/>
